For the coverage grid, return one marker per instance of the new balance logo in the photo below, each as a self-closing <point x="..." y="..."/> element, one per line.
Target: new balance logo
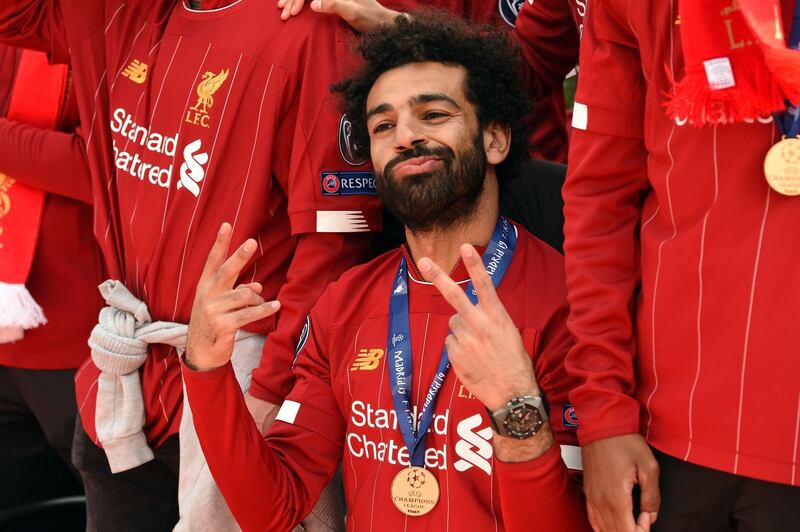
<point x="474" y="448"/>
<point x="192" y="171"/>
<point x="367" y="359"/>
<point x="136" y="71"/>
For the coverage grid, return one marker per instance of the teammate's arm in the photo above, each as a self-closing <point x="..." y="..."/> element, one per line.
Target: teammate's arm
<point x="605" y="184"/>
<point x="268" y="484"/>
<point x="550" y="42"/>
<point x="36" y="25"/>
<point x="45" y="159"/>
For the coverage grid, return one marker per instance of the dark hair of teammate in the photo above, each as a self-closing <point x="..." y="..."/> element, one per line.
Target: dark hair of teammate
<point x="490" y="57"/>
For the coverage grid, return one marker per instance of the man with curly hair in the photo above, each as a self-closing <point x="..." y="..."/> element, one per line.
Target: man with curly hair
<point x="438" y="104"/>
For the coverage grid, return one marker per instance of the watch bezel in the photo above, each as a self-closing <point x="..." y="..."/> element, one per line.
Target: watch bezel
<point x="503" y="419"/>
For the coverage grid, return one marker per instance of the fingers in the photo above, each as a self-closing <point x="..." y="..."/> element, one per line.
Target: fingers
<point x="230" y="270"/>
<point x="290" y="8"/>
<point x="297" y="6"/>
<point x="452" y="293"/>
<point x="217" y="254"/>
<point x="487" y="295"/>
<point x="255" y="287"/>
<point x="614" y="511"/>
<point x="643" y="523"/>
<point x="247" y="315"/>
<point x="241" y="297"/>
<point x="647" y="476"/>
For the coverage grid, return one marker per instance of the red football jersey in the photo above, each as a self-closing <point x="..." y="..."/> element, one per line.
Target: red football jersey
<point x="342" y="405"/>
<point x="681" y="261"/>
<point x="32" y="155"/>
<point x="192" y="118"/>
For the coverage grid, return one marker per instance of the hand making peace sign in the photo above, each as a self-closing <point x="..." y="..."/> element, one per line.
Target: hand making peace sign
<point x="484" y="345"/>
<point x="219" y="309"/>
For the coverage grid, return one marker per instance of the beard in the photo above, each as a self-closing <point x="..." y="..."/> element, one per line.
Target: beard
<point x="436" y="200"/>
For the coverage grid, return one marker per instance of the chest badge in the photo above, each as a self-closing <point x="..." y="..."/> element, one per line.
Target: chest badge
<point x="198" y="114"/>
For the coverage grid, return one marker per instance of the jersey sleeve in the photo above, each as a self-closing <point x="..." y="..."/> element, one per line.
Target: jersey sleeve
<point x="330" y="188"/>
<point x="319" y="259"/>
<point x="50" y="160"/>
<point x="606" y="181"/>
<point x="272" y="482"/>
<point x="36" y="25"/>
<point x="550" y="42"/>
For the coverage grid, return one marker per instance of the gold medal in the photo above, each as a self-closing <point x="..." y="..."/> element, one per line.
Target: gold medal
<point x="415" y="491"/>
<point x="782" y="167"/>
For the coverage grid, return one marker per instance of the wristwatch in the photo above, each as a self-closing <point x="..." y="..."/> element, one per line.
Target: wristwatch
<point x="522" y="418"/>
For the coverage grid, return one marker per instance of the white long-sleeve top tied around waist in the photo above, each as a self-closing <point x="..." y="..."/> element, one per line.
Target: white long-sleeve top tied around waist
<point x="119" y="348"/>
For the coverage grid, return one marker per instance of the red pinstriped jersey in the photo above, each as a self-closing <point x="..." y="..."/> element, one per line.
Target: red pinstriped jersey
<point x="681" y="261"/>
<point x="192" y="118"/>
<point x="341" y="410"/>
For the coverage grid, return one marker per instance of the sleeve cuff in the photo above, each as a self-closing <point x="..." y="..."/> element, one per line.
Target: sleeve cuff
<point x="613" y="122"/>
<point x="265" y="394"/>
<point x="537" y="468"/>
<point x="603" y="413"/>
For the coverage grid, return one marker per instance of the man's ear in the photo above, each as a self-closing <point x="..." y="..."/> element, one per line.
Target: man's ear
<point x="496" y="142"/>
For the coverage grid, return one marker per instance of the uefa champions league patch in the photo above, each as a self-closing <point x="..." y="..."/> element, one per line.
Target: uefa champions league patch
<point x="348" y="148"/>
<point x="509" y="9"/>
<point x="301" y="342"/>
<point x="569" y="417"/>
<point x="348" y="184"/>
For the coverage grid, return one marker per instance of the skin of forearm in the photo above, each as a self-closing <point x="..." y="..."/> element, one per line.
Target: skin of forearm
<point x="513" y="450"/>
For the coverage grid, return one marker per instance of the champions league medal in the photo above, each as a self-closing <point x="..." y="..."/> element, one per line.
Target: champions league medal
<point x="782" y="163"/>
<point x="782" y="167"/>
<point x="414" y="490"/>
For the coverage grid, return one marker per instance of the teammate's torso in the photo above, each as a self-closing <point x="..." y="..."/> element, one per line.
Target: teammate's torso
<point x="194" y="102"/>
<point x="716" y="322"/>
<point x="193" y="118"/>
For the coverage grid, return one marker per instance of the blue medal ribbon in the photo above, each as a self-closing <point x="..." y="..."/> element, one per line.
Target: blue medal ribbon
<point x="496" y="258"/>
<point x="789" y="120"/>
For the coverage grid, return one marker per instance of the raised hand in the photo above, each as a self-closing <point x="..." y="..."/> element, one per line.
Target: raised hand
<point x="484" y="345"/>
<point x="219" y="309"/>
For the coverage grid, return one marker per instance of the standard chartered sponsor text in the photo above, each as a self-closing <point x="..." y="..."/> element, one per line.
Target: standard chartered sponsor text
<point x="131" y="163"/>
<point x="361" y="446"/>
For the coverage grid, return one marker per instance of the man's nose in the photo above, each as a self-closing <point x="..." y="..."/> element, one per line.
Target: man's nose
<point x="407" y="136"/>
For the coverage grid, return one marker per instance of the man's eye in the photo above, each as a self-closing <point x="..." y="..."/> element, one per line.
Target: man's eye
<point x="381" y="127"/>
<point x="432" y="115"/>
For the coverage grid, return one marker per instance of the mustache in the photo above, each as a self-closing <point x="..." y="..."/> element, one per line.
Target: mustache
<point x="440" y="152"/>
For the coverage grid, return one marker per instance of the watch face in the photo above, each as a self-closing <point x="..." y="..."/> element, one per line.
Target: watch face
<point x="523" y="421"/>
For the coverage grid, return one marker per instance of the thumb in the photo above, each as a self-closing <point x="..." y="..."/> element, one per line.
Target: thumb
<point x="650" y="499"/>
<point x="643" y="523"/>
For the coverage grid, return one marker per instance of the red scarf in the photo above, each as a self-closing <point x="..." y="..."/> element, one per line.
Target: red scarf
<point x="737" y="64"/>
<point x="36" y="99"/>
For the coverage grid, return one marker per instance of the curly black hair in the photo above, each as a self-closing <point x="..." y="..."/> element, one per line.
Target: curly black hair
<point x="492" y="61"/>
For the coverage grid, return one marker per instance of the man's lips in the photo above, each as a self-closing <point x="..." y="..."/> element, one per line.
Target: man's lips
<point x="416" y="165"/>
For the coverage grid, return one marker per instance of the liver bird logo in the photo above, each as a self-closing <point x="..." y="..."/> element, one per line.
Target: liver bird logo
<point x="207" y="87"/>
<point x="5" y="200"/>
